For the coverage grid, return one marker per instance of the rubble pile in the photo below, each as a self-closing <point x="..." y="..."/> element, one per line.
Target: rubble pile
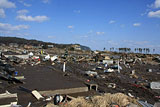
<point x="106" y="100"/>
<point x="113" y="79"/>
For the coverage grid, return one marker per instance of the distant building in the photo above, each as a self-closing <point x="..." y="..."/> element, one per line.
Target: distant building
<point x="96" y="52"/>
<point x="13" y="45"/>
<point x="28" y="46"/>
<point x="38" y="47"/>
<point x="76" y="47"/>
<point x="50" y="46"/>
<point x="106" y="57"/>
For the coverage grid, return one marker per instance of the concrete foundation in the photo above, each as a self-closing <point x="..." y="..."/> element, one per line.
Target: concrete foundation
<point x="92" y="86"/>
<point x="64" y="91"/>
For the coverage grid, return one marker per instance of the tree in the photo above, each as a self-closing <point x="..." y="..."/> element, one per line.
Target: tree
<point x="112" y="49"/>
<point x="140" y="50"/>
<point x="135" y="49"/>
<point x="144" y="50"/>
<point x="147" y="50"/>
<point x="153" y="50"/>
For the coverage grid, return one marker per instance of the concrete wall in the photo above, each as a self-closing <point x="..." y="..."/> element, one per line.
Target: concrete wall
<point x="64" y="91"/>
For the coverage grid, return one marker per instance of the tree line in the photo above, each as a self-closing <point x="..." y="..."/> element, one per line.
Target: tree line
<point x="128" y="50"/>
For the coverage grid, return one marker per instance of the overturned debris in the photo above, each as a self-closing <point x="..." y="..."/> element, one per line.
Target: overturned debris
<point x="105" y="100"/>
<point x="37" y="95"/>
<point x="155" y="85"/>
<point x="91" y="73"/>
<point x="7" y="99"/>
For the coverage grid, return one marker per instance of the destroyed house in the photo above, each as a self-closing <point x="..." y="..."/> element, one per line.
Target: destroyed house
<point x="37" y="47"/>
<point x="76" y="47"/>
<point x="13" y="45"/>
<point x="50" y="46"/>
<point x="115" y="57"/>
<point x="28" y="46"/>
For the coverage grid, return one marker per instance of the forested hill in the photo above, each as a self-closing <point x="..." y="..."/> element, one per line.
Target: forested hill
<point x="22" y="41"/>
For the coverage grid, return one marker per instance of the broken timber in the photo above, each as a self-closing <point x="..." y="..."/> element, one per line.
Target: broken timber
<point x="7" y="99"/>
<point x="37" y="94"/>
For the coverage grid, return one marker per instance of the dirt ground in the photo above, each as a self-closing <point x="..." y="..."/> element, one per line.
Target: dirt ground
<point x="43" y="77"/>
<point x="138" y="87"/>
<point x="125" y="83"/>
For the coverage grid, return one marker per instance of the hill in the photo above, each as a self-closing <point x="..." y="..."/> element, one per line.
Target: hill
<point x="22" y="41"/>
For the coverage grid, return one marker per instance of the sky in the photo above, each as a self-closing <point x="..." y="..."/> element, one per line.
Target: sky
<point x="94" y="23"/>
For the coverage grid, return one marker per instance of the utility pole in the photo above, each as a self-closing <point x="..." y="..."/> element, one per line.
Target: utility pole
<point x="64" y="66"/>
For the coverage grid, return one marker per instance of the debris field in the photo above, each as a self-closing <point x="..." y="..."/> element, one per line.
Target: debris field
<point x="78" y="79"/>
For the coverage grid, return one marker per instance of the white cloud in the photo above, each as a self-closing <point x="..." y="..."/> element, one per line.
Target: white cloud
<point x="136" y="43"/>
<point x="6" y="4"/>
<point x="112" y="21"/>
<point x="156" y="4"/>
<point x="146" y="12"/>
<point x="9" y="27"/>
<point x="51" y="37"/>
<point x="27" y="5"/>
<point x="85" y="36"/>
<point x="99" y="33"/>
<point x="14" y="33"/>
<point x="155" y="14"/>
<point x="70" y="26"/>
<point x="23" y="17"/>
<point x="91" y="31"/>
<point x="132" y="43"/>
<point x="33" y="19"/>
<point x="128" y="43"/>
<point x="24" y="11"/>
<point x="141" y="42"/>
<point x="22" y="34"/>
<point x="137" y="24"/>
<point x="77" y="11"/>
<point x="2" y="13"/>
<point x="45" y="1"/>
<point x="112" y="43"/>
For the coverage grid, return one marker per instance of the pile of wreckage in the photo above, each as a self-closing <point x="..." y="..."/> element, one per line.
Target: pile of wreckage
<point x="9" y="76"/>
<point x="104" y="100"/>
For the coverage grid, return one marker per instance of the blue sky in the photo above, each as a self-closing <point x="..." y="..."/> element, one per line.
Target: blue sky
<point x="94" y="23"/>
